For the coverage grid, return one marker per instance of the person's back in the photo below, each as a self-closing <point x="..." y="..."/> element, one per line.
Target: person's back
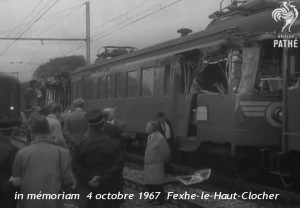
<point x="75" y="125"/>
<point x="97" y="154"/>
<point x="98" y="164"/>
<point x="42" y="167"/>
<point x="7" y="154"/>
<point x="56" y="131"/>
<point x="41" y="160"/>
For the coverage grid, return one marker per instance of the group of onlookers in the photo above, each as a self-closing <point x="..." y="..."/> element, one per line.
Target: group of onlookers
<point x="82" y="150"/>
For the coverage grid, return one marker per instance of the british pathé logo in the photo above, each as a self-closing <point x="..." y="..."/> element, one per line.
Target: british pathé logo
<point x="287" y="13"/>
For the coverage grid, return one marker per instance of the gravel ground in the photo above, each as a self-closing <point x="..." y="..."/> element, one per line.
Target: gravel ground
<point x="203" y="189"/>
<point x="136" y="175"/>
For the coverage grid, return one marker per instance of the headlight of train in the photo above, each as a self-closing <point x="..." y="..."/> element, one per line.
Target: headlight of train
<point x="274" y="114"/>
<point x="278" y="114"/>
<point x="11" y="108"/>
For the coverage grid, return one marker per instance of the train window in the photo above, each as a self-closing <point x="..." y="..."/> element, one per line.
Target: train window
<point x="213" y="77"/>
<point x="74" y="90"/>
<point x="269" y="76"/>
<point x="86" y="87"/>
<point x="120" y="85"/>
<point x="167" y="80"/>
<point x="110" y="83"/>
<point x="148" y="82"/>
<point x="102" y="87"/>
<point x="94" y="88"/>
<point x="188" y="62"/>
<point x="79" y="88"/>
<point x="132" y="84"/>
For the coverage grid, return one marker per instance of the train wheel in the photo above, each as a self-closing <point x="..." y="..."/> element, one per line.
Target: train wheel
<point x="287" y="181"/>
<point x="287" y="171"/>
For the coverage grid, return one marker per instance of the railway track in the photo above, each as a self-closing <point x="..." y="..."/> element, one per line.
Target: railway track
<point x="228" y="184"/>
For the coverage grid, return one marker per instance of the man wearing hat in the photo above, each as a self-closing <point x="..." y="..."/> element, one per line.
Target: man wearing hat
<point x="97" y="163"/>
<point x="75" y="125"/>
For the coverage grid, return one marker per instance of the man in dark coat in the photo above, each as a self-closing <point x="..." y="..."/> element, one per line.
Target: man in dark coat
<point x="98" y="162"/>
<point x="7" y="154"/>
<point x="75" y="124"/>
<point x="165" y="128"/>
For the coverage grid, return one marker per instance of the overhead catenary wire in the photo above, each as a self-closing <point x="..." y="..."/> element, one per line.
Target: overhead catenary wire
<point x="117" y="17"/>
<point x="133" y="20"/>
<point x="60" y="19"/>
<point x="21" y="23"/>
<point x="20" y="62"/>
<point x="137" y="17"/>
<point x="29" y="27"/>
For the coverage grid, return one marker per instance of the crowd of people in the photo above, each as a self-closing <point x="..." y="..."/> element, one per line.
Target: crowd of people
<point x="78" y="152"/>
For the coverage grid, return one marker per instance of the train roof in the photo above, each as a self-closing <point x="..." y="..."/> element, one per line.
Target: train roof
<point x="238" y="28"/>
<point x="8" y="77"/>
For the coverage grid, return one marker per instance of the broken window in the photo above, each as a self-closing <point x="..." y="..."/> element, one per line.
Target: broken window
<point x="213" y="77"/>
<point x="249" y="69"/>
<point x="189" y="66"/>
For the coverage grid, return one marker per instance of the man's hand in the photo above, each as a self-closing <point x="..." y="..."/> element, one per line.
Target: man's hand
<point x="94" y="182"/>
<point x="16" y="181"/>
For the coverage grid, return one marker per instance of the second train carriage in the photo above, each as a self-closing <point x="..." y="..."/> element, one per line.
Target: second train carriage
<point x="226" y="90"/>
<point x="10" y="103"/>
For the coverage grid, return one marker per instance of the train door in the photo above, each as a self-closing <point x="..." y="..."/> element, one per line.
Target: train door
<point x="186" y="67"/>
<point x="216" y="100"/>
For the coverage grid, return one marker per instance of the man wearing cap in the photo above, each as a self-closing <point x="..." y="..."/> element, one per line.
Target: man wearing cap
<point x="75" y="125"/>
<point x="97" y="163"/>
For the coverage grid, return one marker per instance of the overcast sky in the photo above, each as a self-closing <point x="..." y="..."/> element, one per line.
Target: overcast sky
<point x="66" y="19"/>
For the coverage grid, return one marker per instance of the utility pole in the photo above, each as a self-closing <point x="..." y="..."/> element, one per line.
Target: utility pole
<point x="88" y="34"/>
<point x="87" y="39"/>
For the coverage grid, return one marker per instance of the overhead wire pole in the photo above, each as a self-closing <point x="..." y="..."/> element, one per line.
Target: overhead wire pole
<point x="87" y="39"/>
<point x="88" y="34"/>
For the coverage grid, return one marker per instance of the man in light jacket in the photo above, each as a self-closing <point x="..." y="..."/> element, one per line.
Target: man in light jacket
<point x="42" y="167"/>
<point x="156" y="154"/>
<point x="55" y="125"/>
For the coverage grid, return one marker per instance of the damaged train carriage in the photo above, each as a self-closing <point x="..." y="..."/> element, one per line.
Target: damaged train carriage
<point x="221" y="88"/>
<point x="248" y="109"/>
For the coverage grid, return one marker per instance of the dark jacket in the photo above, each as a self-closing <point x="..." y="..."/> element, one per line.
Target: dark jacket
<point x="170" y="126"/>
<point x="7" y="155"/>
<point x="75" y="126"/>
<point x="98" y="155"/>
